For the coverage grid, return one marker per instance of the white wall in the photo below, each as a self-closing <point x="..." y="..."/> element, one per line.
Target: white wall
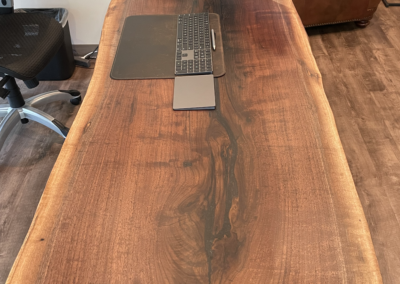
<point x="85" y="16"/>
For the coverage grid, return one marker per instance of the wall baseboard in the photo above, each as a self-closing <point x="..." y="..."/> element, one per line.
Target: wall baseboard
<point x="82" y="49"/>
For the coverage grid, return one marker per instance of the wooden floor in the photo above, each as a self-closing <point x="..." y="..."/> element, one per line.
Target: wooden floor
<point x="25" y="164"/>
<point x="361" y="75"/>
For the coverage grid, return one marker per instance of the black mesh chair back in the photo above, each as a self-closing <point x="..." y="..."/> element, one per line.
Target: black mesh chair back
<point x="27" y="43"/>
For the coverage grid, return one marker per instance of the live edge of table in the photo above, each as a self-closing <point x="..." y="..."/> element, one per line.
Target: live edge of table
<point x="257" y="191"/>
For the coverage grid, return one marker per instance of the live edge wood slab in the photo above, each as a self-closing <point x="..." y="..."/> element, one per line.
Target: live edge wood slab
<point x="257" y="191"/>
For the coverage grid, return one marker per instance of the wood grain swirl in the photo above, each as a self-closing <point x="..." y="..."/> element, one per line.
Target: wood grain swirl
<point x="257" y="191"/>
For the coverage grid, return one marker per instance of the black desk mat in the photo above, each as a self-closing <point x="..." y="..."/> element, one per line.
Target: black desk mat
<point x="146" y="49"/>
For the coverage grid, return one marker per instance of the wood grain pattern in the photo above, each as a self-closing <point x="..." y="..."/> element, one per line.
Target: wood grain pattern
<point x="360" y="71"/>
<point x="26" y="161"/>
<point x="257" y="191"/>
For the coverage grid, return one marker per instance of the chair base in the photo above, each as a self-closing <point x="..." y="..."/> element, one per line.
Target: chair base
<point x="28" y="112"/>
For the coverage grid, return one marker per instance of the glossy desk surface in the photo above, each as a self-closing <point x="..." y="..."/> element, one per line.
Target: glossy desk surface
<point x="257" y="191"/>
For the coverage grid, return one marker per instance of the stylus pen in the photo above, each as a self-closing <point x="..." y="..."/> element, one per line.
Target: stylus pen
<point x="214" y="46"/>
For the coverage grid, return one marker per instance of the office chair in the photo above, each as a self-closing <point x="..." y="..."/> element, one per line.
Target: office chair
<point x="27" y="44"/>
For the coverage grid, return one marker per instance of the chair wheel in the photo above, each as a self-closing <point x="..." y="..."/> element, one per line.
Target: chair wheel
<point x="24" y="120"/>
<point x="76" y="101"/>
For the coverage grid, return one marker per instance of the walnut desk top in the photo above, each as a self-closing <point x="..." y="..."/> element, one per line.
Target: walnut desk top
<point x="257" y="191"/>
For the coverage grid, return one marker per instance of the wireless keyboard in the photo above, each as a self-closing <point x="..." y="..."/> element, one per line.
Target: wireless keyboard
<point x="193" y="45"/>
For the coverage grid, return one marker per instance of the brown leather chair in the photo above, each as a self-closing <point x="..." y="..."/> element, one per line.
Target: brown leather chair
<point x="326" y="12"/>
